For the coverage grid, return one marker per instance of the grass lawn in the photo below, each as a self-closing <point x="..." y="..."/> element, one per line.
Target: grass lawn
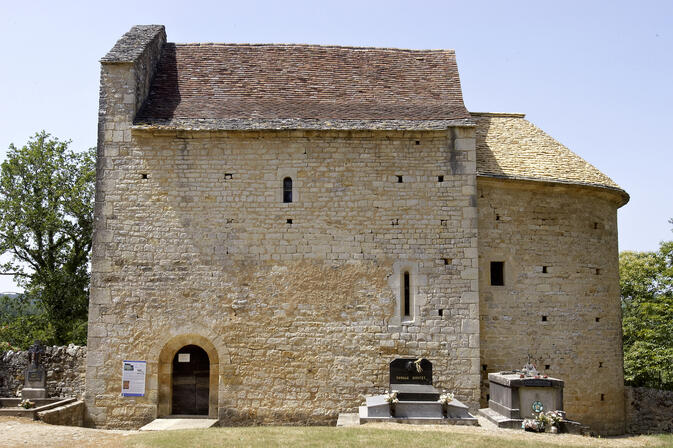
<point x="389" y="436"/>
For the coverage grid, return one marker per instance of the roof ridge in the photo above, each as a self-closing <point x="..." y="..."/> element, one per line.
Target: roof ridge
<point x="499" y="114"/>
<point x="294" y="45"/>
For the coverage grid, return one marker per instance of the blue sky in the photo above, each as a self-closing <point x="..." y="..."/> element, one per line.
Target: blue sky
<point x="595" y="75"/>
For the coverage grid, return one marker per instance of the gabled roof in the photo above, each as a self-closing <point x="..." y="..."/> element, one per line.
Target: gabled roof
<point x="509" y="146"/>
<point x="277" y="86"/>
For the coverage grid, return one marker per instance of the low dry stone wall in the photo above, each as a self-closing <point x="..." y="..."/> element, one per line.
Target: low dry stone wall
<point x="71" y="414"/>
<point x="648" y="410"/>
<point x="65" y="366"/>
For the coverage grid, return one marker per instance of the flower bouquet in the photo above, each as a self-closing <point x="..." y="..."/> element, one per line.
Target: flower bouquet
<point x="444" y="400"/>
<point x="532" y="425"/>
<point x="26" y="404"/>
<point x="391" y="398"/>
<point x="554" y="418"/>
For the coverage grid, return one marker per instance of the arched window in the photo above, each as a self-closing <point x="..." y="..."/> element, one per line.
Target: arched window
<point x="287" y="189"/>
<point x="406" y="295"/>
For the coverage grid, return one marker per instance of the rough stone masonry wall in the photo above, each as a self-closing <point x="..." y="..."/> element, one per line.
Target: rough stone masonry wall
<point x="192" y="238"/>
<point x="648" y="410"/>
<point x="65" y="367"/>
<point x="568" y="318"/>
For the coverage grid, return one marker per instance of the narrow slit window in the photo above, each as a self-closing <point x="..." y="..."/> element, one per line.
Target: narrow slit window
<point x="407" y="295"/>
<point x="287" y="190"/>
<point x="497" y="273"/>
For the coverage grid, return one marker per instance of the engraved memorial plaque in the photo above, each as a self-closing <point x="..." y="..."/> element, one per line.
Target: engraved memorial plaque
<point x="411" y="371"/>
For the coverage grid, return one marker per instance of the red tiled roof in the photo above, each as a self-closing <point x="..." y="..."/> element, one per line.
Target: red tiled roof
<point x="267" y="83"/>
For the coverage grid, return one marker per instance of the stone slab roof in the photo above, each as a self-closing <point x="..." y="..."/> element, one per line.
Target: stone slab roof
<point x="278" y="86"/>
<point x="132" y="44"/>
<point x="509" y="146"/>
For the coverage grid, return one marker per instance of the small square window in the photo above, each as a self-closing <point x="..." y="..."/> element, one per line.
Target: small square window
<point x="399" y="179"/>
<point x="544" y="318"/>
<point x="544" y="269"/>
<point x="440" y="178"/>
<point x="497" y="273"/>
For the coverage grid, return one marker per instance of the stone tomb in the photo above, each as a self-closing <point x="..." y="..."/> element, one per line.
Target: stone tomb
<point x="35" y="382"/>
<point x="418" y="398"/>
<point x="515" y="396"/>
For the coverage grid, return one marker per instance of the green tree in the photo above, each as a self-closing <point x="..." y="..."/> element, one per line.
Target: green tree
<point x="646" y="281"/>
<point x="46" y="224"/>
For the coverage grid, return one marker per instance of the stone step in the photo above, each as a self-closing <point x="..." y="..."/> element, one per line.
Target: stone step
<point x="167" y="424"/>
<point x="348" y="419"/>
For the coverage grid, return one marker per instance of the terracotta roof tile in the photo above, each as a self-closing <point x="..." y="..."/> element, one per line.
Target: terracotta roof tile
<point x="267" y="83"/>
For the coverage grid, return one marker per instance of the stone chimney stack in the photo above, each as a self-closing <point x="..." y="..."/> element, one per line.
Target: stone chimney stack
<point x="126" y="75"/>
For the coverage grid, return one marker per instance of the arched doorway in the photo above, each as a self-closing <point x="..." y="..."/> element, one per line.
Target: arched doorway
<point x="191" y="381"/>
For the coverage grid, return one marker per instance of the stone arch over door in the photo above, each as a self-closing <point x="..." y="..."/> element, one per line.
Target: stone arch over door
<point x="165" y="371"/>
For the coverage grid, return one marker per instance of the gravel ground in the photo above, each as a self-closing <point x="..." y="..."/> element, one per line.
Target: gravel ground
<point x="21" y="432"/>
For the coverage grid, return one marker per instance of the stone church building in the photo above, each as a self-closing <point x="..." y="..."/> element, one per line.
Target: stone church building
<point x="276" y="223"/>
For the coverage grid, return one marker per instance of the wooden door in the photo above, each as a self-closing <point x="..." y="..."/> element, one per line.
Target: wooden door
<point x="191" y="381"/>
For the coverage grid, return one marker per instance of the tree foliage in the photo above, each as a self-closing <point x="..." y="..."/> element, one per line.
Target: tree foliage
<point x="646" y="280"/>
<point x="46" y="224"/>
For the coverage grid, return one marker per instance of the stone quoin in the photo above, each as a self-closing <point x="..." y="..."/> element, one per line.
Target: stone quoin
<point x="274" y="224"/>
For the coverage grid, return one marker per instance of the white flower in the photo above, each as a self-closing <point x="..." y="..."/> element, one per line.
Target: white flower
<point x="445" y="398"/>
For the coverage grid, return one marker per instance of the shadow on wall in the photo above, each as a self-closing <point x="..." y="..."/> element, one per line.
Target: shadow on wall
<point x="486" y="160"/>
<point x="164" y="96"/>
